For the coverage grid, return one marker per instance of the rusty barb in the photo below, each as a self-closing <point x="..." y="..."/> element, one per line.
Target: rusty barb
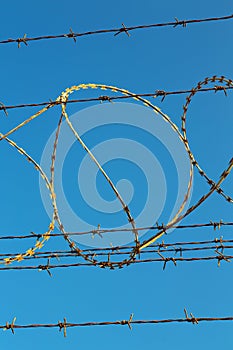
<point x="220" y="88"/>
<point x="117" y="31"/>
<point x="3" y="107"/>
<point x="62" y="326"/>
<point x="221" y="257"/>
<point x="71" y="35"/>
<point x="97" y="232"/>
<point x="216" y="224"/>
<point x="45" y="267"/>
<point x="127" y="322"/>
<point x="166" y="260"/>
<point x="163" y="229"/>
<point x="191" y="319"/>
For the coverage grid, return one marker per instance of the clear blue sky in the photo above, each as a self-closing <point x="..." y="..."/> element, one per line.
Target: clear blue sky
<point x="164" y="59"/>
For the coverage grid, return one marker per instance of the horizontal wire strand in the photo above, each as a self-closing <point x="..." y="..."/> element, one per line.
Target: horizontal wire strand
<point x="62" y="326"/>
<point x="25" y="40"/>
<point x="157" y="93"/>
<point x="116" y="230"/>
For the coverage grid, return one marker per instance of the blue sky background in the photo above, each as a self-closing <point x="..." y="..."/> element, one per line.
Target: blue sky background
<point x="164" y="59"/>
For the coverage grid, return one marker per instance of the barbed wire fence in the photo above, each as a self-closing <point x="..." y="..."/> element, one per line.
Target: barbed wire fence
<point x="146" y="251"/>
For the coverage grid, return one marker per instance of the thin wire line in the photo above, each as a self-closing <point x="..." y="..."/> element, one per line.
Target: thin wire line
<point x="116" y="230"/>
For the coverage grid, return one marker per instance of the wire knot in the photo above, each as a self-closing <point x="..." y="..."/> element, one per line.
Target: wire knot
<point x="10" y="326"/>
<point x="161" y="93"/>
<point x="22" y="40"/>
<point x="121" y="30"/>
<point x="72" y="35"/>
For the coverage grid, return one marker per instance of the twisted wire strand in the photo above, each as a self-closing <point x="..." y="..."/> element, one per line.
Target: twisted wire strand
<point x="63" y="326"/>
<point x="63" y="99"/>
<point x="157" y="93"/>
<point x="71" y="35"/>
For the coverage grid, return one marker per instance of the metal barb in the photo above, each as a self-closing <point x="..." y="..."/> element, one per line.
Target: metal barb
<point x="221" y="88"/>
<point x="192" y="319"/>
<point x="71" y="35"/>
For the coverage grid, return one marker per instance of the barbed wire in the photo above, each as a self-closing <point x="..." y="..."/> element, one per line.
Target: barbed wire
<point x="217" y="244"/>
<point x="162" y="248"/>
<point x="182" y="135"/>
<point x="157" y="93"/>
<point x="98" y="231"/>
<point x="116" y="31"/>
<point x="63" y="326"/>
<point x="117" y="264"/>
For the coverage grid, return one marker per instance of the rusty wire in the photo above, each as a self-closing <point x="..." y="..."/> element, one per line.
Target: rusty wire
<point x="182" y="135"/>
<point x="116" y="31"/>
<point x="117" y="264"/>
<point x="63" y="326"/>
<point x="214" y="224"/>
<point x="158" y="93"/>
<point x="117" y="251"/>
